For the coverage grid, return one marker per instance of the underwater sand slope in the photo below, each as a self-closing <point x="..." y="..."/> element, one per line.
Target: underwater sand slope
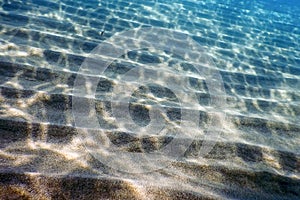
<point x="44" y="43"/>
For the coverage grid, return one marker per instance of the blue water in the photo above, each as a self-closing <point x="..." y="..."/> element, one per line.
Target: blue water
<point x="253" y="46"/>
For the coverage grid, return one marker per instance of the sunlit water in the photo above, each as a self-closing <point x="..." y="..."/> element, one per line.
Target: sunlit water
<point x="255" y="47"/>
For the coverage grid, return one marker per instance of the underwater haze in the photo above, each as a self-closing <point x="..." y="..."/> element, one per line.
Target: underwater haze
<point x="149" y="99"/>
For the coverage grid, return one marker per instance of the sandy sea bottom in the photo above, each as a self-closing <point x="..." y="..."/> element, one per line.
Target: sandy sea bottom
<point x="243" y="105"/>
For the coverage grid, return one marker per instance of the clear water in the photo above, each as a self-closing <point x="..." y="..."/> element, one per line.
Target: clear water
<point x="254" y="146"/>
